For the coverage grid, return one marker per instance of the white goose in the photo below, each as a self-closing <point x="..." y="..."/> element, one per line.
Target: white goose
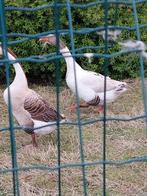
<point x="112" y="34"/>
<point x="134" y="44"/>
<point x="28" y="107"/>
<point x="90" y="85"/>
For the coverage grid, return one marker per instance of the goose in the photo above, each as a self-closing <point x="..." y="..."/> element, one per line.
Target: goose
<point x="134" y="44"/>
<point x="28" y="107"/>
<point x="90" y="85"/>
<point x="112" y="35"/>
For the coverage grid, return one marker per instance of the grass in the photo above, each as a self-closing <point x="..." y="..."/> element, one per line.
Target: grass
<point x="124" y="140"/>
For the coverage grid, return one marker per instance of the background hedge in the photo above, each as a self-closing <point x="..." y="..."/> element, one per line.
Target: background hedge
<point x="126" y="66"/>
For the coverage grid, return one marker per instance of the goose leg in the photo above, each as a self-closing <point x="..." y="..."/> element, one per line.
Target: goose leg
<point x="74" y="107"/>
<point x="84" y="105"/>
<point x="34" y="140"/>
<point x="100" y="109"/>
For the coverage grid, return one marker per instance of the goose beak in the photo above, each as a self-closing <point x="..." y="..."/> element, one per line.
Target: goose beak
<point x="50" y="39"/>
<point x="44" y="39"/>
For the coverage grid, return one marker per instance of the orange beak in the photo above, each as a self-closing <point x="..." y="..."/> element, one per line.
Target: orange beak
<point x="44" y="39"/>
<point x="51" y="39"/>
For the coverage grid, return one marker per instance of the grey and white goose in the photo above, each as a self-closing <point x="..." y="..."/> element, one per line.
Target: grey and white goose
<point x="28" y="107"/>
<point x="135" y="45"/>
<point x="90" y="85"/>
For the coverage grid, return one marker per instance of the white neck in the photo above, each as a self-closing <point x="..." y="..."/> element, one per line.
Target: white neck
<point x="20" y="78"/>
<point x="70" y="62"/>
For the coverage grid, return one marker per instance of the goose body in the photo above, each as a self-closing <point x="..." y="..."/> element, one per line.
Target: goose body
<point x="28" y="107"/>
<point x="90" y="85"/>
<point x="136" y="45"/>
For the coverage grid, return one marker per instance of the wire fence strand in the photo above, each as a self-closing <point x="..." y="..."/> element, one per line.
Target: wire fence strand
<point x="76" y="52"/>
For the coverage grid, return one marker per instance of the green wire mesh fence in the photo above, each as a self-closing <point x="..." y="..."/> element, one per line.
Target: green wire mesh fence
<point x="16" y="168"/>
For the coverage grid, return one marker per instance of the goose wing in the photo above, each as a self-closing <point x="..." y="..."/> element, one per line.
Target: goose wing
<point x="95" y="81"/>
<point x="40" y="108"/>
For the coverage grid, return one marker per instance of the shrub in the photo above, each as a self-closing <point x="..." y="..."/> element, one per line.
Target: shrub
<point x="121" y="67"/>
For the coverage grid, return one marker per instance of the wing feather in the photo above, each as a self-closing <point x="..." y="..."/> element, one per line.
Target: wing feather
<point x="40" y="108"/>
<point x="95" y="81"/>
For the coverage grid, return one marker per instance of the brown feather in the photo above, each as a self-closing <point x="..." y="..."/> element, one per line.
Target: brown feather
<point x="95" y="101"/>
<point x="40" y="109"/>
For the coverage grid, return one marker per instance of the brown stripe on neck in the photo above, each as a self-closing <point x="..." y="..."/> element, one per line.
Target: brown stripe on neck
<point x="62" y="44"/>
<point x="14" y="55"/>
<point x="53" y="41"/>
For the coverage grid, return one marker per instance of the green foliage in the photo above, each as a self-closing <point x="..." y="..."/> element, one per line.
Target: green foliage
<point x="39" y="21"/>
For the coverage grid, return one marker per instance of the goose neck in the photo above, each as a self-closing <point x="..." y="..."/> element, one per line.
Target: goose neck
<point x="70" y="61"/>
<point x="20" y="77"/>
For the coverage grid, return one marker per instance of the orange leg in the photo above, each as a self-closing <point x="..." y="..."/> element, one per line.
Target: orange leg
<point x="100" y="109"/>
<point x="74" y="107"/>
<point x="34" y="140"/>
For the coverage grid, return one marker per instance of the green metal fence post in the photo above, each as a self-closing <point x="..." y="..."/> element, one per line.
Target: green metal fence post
<point x="105" y="83"/>
<point x="57" y="70"/>
<point x="11" y="128"/>
<point x="77" y="101"/>
<point x="144" y="91"/>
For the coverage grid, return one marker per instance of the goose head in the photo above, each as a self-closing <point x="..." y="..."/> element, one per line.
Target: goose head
<point x="52" y="40"/>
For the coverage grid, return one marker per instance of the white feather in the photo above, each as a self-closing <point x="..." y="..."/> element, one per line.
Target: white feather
<point x="43" y="128"/>
<point x="136" y="45"/>
<point x="112" y="35"/>
<point x="89" y="56"/>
